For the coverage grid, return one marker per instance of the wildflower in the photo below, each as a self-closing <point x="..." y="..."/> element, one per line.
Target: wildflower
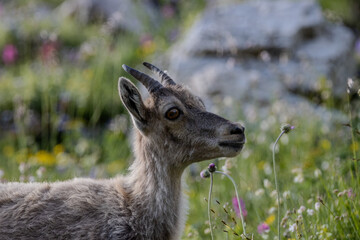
<point x="45" y="158"/>
<point x="22" y="168"/>
<point x="273" y="194"/>
<point x="227" y="166"/>
<point x="350" y="84"/>
<point x="204" y="174"/>
<point x="350" y="193"/>
<point x="340" y="194"/>
<point x="40" y="172"/>
<point x="259" y="192"/>
<point x="301" y="209"/>
<point x="237" y="209"/>
<point x="267" y="183"/>
<point x="299" y="178"/>
<point x="48" y="51"/>
<point x="58" y="149"/>
<point x="310" y="212"/>
<point x="286" y="194"/>
<point x="283" y="221"/>
<point x="317" y="206"/>
<point x="293" y="227"/>
<point x="9" y="54"/>
<point x="212" y="167"/>
<point x="168" y="11"/>
<point x="317" y="173"/>
<point x="1" y="173"/>
<point x="287" y="128"/>
<point x="263" y="228"/>
<point x="270" y="219"/>
<point x="31" y="179"/>
<point x="272" y="210"/>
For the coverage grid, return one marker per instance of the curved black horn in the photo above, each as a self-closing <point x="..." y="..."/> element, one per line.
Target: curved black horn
<point x="165" y="79"/>
<point x="151" y="84"/>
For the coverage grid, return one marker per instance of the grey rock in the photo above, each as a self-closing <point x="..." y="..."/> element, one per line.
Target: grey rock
<point x="264" y="54"/>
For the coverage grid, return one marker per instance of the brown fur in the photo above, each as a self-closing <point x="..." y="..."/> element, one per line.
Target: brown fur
<point x="147" y="203"/>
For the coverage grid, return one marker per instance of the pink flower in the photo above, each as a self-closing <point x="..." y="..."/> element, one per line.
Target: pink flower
<point x="263" y="228"/>
<point x="168" y="11"/>
<point x="9" y="54"/>
<point x="237" y="209"/>
<point x="48" y="51"/>
<point x="350" y="193"/>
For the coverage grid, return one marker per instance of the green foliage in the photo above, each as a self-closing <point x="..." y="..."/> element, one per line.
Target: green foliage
<point x="61" y="117"/>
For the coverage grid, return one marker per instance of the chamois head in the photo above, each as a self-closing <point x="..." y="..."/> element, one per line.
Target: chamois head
<point x="173" y="122"/>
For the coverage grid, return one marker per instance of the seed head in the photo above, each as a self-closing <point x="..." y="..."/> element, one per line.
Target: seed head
<point x="212" y="167"/>
<point x="204" y="174"/>
<point x="287" y="128"/>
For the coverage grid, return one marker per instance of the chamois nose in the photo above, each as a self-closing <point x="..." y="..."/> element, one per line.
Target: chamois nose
<point x="237" y="130"/>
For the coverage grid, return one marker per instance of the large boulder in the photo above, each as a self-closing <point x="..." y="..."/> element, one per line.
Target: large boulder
<point x="262" y="51"/>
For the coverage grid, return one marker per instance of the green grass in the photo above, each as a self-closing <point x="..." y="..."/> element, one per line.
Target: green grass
<point x="62" y="118"/>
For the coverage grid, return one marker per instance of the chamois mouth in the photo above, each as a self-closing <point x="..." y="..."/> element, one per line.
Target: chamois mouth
<point x="232" y="144"/>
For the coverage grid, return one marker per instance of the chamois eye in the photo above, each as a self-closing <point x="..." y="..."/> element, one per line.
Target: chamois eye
<point x="172" y="113"/>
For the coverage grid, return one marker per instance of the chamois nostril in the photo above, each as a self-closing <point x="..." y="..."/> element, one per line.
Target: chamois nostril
<point x="237" y="130"/>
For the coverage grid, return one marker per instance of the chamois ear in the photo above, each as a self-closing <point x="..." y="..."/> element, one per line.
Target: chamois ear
<point x="132" y="100"/>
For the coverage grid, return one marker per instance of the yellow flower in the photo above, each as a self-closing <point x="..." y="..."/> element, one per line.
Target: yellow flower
<point x="270" y="219"/>
<point x="45" y="158"/>
<point x="325" y="144"/>
<point x="58" y="149"/>
<point x="261" y="165"/>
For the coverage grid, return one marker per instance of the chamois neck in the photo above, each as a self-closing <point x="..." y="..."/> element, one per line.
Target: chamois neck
<point x="156" y="186"/>
<point x="152" y="170"/>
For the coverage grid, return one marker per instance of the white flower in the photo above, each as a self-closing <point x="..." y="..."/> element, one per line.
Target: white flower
<point x="310" y="212"/>
<point x="301" y="209"/>
<point x="317" y="206"/>
<point x="296" y="170"/>
<point x="292" y="227"/>
<point x="22" y="167"/>
<point x="267" y="169"/>
<point x="273" y="194"/>
<point x="350" y="83"/>
<point x="267" y="183"/>
<point x="259" y="192"/>
<point x="286" y="194"/>
<point x="317" y="173"/>
<point x="325" y="165"/>
<point x="1" y="173"/>
<point x="299" y="178"/>
<point x="272" y="210"/>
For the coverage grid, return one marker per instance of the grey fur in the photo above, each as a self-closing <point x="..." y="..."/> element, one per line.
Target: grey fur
<point x="147" y="203"/>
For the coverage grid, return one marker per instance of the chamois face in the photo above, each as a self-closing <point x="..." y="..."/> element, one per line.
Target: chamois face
<point x="176" y="123"/>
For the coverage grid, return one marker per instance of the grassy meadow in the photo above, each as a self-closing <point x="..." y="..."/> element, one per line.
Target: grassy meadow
<point x="61" y="117"/>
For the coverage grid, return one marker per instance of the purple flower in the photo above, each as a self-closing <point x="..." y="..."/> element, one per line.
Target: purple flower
<point x="9" y="54"/>
<point x="263" y="228"/>
<point x="204" y="174"/>
<point x="350" y="193"/>
<point x="237" y="209"/>
<point x="212" y="167"/>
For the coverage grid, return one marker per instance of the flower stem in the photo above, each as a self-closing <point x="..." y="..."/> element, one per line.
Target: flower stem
<point x="276" y="183"/>
<point x="209" y="202"/>
<point x="238" y="199"/>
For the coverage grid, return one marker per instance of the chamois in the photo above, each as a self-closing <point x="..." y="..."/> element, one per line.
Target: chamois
<point x="172" y="130"/>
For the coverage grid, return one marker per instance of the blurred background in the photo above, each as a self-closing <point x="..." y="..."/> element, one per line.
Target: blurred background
<point x="263" y="63"/>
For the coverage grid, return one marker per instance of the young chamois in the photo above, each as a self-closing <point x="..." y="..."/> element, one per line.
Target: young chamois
<point x="173" y="130"/>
